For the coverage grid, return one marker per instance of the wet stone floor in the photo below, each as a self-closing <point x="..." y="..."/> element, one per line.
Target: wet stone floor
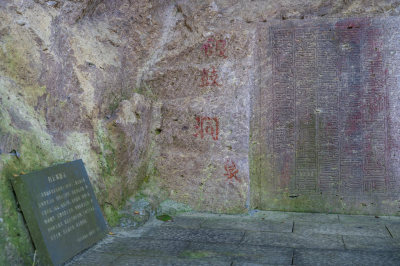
<point x="262" y="238"/>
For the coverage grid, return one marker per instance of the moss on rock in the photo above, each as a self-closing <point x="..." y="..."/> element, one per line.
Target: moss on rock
<point x="33" y="157"/>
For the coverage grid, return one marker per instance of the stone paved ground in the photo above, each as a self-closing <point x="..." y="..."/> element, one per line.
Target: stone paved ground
<point x="263" y="238"/>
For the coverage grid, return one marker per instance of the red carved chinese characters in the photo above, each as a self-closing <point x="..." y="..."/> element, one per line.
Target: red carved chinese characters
<point x="215" y="46"/>
<point x="220" y="48"/>
<point x="209" y="78"/>
<point x="207" y="126"/>
<point x="208" y="47"/>
<point x="231" y="170"/>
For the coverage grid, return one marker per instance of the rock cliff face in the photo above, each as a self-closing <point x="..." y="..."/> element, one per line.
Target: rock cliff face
<point x="154" y="96"/>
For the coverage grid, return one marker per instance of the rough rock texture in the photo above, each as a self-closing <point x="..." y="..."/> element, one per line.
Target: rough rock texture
<point x="118" y="83"/>
<point x="327" y="116"/>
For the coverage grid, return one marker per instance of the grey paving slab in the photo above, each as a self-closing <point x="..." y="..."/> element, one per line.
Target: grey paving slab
<point x="314" y="217"/>
<point x="93" y="259"/>
<point x="135" y="232"/>
<point x="293" y="240"/>
<point x="372" y="243"/>
<point x="394" y="219"/>
<point x="195" y="235"/>
<point x="295" y="216"/>
<point x="148" y="261"/>
<point x="247" y="263"/>
<point x="275" y="216"/>
<point x="143" y="247"/>
<point x="341" y="229"/>
<point x="363" y="219"/>
<point x="272" y="215"/>
<point x="247" y="224"/>
<point x="262" y="238"/>
<point x="208" y="216"/>
<point x="186" y="222"/>
<point x="243" y="253"/>
<point x="394" y="229"/>
<point x="340" y="257"/>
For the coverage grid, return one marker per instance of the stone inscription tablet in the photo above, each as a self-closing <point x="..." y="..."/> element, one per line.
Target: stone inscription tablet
<point x="329" y="104"/>
<point x="61" y="211"/>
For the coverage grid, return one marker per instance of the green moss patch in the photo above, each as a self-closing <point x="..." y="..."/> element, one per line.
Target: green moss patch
<point x="164" y="218"/>
<point x="112" y="215"/>
<point x="33" y="157"/>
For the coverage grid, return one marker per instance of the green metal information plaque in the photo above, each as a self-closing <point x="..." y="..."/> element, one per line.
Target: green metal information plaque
<point x="61" y="211"/>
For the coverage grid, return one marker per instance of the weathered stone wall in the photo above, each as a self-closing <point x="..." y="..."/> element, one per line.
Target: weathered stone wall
<point x="128" y="87"/>
<point x="69" y="88"/>
<point x="205" y="86"/>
